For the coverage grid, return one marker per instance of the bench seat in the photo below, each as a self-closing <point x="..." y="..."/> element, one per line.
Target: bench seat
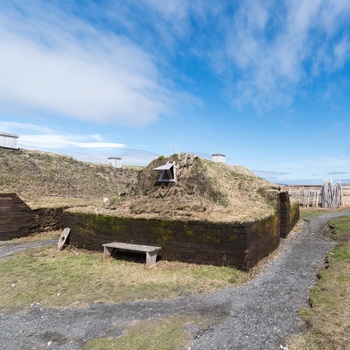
<point x="151" y="251"/>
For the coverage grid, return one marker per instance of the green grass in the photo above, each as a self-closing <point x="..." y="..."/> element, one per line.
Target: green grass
<point x="312" y="212"/>
<point x="33" y="238"/>
<point x="328" y="320"/>
<point x="165" y="334"/>
<point x="340" y="228"/>
<point x="77" y="277"/>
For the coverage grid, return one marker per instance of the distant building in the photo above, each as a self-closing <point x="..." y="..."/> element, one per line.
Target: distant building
<point x="8" y="140"/>
<point x="116" y="162"/>
<point x="218" y="158"/>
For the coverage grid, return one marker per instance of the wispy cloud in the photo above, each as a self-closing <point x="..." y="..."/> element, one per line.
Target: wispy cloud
<point x="137" y="157"/>
<point x="56" y="141"/>
<point x="118" y="62"/>
<point x="318" y="162"/>
<point x="265" y="52"/>
<point x="273" y="176"/>
<point x="53" y="62"/>
<point x="48" y="139"/>
<point x="90" y="148"/>
<point x="269" y="173"/>
<point x="338" y="173"/>
<point x="271" y="47"/>
<point x="17" y="127"/>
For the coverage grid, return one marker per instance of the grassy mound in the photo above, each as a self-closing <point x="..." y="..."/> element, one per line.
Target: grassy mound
<point x="203" y="190"/>
<point x="48" y="179"/>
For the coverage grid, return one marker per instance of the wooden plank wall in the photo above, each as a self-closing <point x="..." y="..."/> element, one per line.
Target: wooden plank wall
<point x="16" y="217"/>
<point x="311" y="195"/>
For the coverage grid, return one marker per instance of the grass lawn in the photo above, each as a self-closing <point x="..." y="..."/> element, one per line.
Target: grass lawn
<point x="75" y="277"/>
<point x="312" y="212"/>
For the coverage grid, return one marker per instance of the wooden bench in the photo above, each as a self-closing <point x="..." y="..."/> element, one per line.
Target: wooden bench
<point x="151" y="251"/>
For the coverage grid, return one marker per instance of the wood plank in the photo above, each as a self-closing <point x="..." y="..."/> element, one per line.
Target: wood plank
<point x="64" y="238"/>
<point x="151" y="251"/>
<point x="132" y="247"/>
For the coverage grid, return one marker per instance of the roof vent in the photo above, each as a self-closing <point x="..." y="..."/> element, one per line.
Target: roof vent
<point x="8" y="140"/>
<point x="167" y="173"/>
<point x="116" y="162"/>
<point x="218" y="158"/>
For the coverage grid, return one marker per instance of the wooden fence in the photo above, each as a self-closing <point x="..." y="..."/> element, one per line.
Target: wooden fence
<point x="325" y="196"/>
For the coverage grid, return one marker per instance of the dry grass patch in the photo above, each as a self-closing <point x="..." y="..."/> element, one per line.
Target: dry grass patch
<point x="312" y="212"/>
<point x="174" y="332"/>
<point x="48" y="179"/>
<point x="77" y="277"/>
<point x="44" y="236"/>
<point x="204" y="190"/>
<point x="165" y="334"/>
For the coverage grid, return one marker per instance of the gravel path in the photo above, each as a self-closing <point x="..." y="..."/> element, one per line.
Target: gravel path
<point x="258" y="315"/>
<point x="7" y="248"/>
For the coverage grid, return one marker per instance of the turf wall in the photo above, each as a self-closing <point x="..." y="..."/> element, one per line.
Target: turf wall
<point x="239" y="244"/>
<point x="16" y="217"/>
<point x="289" y="214"/>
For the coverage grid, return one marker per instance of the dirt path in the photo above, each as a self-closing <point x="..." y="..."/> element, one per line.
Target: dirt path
<point x="258" y="315"/>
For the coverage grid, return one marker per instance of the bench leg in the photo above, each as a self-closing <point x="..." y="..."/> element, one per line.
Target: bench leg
<point x="107" y="253"/>
<point x="151" y="259"/>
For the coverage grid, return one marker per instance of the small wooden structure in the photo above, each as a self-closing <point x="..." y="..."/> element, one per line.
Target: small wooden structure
<point x="218" y="158"/>
<point x="167" y="173"/>
<point x="8" y="140"/>
<point x="116" y="162"/>
<point x="63" y="241"/>
<point x="151" y="251"/>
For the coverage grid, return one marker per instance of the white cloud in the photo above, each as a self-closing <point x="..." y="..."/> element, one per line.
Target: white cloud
<point x="129" y="156"/>
<point x="307" y="171"/>
<point x="341" y="52"/>
<point x="123" y="72"/>
<point x="334" y="163"/>
<point x="89" y="148"/>
<point x="265" y="52"/>
<point x="270" y="48"/>
<point x="45" y="138"/>
<point x="270" y="173"/>
<point x="16" y="127"/>
<point x="57" y="64"/>
<point x="56" y="141"/>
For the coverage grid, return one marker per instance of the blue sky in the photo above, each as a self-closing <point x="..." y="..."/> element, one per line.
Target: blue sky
<point x="267" y="83"/>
